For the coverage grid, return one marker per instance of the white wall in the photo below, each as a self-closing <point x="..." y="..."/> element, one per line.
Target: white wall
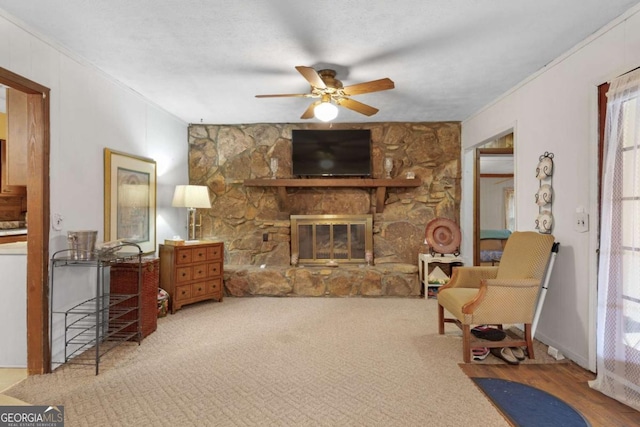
<point x="90" y="111"/>
<point x="556" y="111"/>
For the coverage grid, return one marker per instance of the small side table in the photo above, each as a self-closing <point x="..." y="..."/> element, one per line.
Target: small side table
<point x="427" y="263"/>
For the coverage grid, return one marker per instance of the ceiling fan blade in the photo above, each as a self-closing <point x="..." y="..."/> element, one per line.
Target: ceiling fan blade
<point x="356" y="106"/>
<point x="368" y="87"/>
<point x="312" y="76"/>
<point x="283" y="95"/>
<point x="309" y="113"/>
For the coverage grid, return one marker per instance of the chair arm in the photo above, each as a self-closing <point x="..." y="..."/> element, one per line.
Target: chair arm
<point x="503" y="301"/>
<point x="516" y="283"/>
<point x="470" y="277"/>
<point x="469" y="307"/>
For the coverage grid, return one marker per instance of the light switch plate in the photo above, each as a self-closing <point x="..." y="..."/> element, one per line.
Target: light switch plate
<point x="581" y="222"/>
<point x="56" y="222"/>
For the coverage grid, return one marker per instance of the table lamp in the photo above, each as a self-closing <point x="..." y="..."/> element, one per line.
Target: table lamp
<point x="191" y="197"/>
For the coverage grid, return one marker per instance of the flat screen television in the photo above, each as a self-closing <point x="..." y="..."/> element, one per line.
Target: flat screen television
<point x="331" y="153"/>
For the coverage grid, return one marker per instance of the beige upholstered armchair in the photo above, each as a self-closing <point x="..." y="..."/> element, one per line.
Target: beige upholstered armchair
<point x="504" y="294"/>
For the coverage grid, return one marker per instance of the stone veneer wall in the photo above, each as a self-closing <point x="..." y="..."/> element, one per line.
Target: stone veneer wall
<point x="222" y="156"/>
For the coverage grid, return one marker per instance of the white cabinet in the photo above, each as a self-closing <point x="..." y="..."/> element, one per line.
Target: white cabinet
<point x="13" y="311"/>
<point x="438" y="268"/>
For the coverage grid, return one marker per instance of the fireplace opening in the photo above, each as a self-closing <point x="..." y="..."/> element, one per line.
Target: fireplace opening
<point x="331" y="239"/>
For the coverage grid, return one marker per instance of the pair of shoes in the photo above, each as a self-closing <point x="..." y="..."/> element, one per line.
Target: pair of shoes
<point x="505" y="354"/>
<point x="518" y="352"/>
<point x="480" y="353"/>
<point x="488" y="333"/>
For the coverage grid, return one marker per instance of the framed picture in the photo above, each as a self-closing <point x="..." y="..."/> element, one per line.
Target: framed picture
<point x="130" y="199"/>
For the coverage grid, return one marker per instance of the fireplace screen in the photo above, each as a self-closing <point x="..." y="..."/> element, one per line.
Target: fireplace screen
<point x="327" y="239"/>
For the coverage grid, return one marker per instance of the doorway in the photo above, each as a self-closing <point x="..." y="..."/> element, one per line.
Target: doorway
<point x="37" y="141"/>
<point x="494" y="199"/>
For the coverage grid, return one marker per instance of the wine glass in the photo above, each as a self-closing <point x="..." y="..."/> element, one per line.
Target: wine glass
<point x="274" y="167"/>
<point x="388" y="166"/>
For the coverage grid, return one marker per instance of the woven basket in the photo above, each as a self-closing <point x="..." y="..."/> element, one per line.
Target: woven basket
<point x="124" y="279"/>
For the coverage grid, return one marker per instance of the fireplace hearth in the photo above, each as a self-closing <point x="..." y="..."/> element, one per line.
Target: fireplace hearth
<point x="331" y="239"/>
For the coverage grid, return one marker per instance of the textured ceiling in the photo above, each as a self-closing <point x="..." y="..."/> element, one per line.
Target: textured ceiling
<point x="204" y="60"/>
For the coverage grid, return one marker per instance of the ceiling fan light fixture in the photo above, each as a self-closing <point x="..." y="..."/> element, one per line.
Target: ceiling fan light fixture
<point x="332" y="94"/>
<point x="325" y="111"/>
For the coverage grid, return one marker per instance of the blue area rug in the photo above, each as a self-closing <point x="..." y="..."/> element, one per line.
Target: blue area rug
<point x="526" y="406"/>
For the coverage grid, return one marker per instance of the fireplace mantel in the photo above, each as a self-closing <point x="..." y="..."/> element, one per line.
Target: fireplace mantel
<point x="380" y="185"/>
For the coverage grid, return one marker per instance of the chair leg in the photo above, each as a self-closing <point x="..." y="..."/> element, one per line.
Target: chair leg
<point x="466" y="343"/>
<point x="527" y="337"/>
<point x="440" y="319"/>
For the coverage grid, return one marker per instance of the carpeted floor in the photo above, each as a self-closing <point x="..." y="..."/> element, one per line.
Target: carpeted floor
<point x="278" y="361"/>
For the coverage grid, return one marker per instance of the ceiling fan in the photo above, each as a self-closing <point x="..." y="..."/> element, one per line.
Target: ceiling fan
<point x="330" y="92"/>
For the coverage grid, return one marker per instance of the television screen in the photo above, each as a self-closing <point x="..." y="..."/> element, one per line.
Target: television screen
<point x="331" y="152"/>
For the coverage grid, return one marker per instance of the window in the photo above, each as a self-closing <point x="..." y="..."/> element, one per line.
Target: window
<point x="509" y="209"/>
<point x="629" y="202"/>
<point x="618" y="323"/>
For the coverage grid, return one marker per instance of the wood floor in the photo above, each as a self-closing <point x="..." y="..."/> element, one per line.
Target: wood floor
<point x="11" y="376"/>
<point x="568" y="382"/>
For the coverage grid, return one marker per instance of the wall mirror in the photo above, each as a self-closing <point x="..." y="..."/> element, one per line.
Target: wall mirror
<point x="494" y="199"/>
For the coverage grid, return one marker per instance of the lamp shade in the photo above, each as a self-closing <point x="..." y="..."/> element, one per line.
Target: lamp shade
<point x="325" y="111"/>
<point x="191" y="196"/>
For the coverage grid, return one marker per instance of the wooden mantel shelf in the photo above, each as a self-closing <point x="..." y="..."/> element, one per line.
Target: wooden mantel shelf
<point x="380" y="185"/>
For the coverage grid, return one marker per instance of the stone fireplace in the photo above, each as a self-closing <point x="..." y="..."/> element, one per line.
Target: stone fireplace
<point x="255" y="221"/>
<point x="331" y="239"/>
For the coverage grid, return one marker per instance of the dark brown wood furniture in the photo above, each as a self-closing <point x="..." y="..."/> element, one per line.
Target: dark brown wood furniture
<point x="13" y="200"/>
<point x="124" y="280"/>
<point x="192" y="272"/>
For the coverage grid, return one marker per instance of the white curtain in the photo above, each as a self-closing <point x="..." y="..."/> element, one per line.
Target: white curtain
<point x="618" y="329"/>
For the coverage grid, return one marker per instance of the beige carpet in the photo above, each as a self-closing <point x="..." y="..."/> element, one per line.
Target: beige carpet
<point x="277" y="361"/>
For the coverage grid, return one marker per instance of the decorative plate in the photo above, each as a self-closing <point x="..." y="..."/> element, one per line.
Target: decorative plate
<point x="544" y="222"/>
<point x="443" y="236"/>
<point x="545" y="168"/>
<point x="544" y="196"/>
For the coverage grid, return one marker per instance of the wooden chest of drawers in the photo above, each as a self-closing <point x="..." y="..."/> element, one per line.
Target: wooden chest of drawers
<point x="192" y="272"/>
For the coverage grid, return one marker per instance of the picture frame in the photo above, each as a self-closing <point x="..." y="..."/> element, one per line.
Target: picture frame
<point x="130" y="199"/>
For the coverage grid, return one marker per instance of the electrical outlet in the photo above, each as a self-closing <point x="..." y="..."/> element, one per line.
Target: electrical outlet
<point x="555" y="353"/>
<point x="265" y="237"/>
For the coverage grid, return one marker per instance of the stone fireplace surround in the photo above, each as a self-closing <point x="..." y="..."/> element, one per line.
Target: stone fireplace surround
<point x="257" y="233"/>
